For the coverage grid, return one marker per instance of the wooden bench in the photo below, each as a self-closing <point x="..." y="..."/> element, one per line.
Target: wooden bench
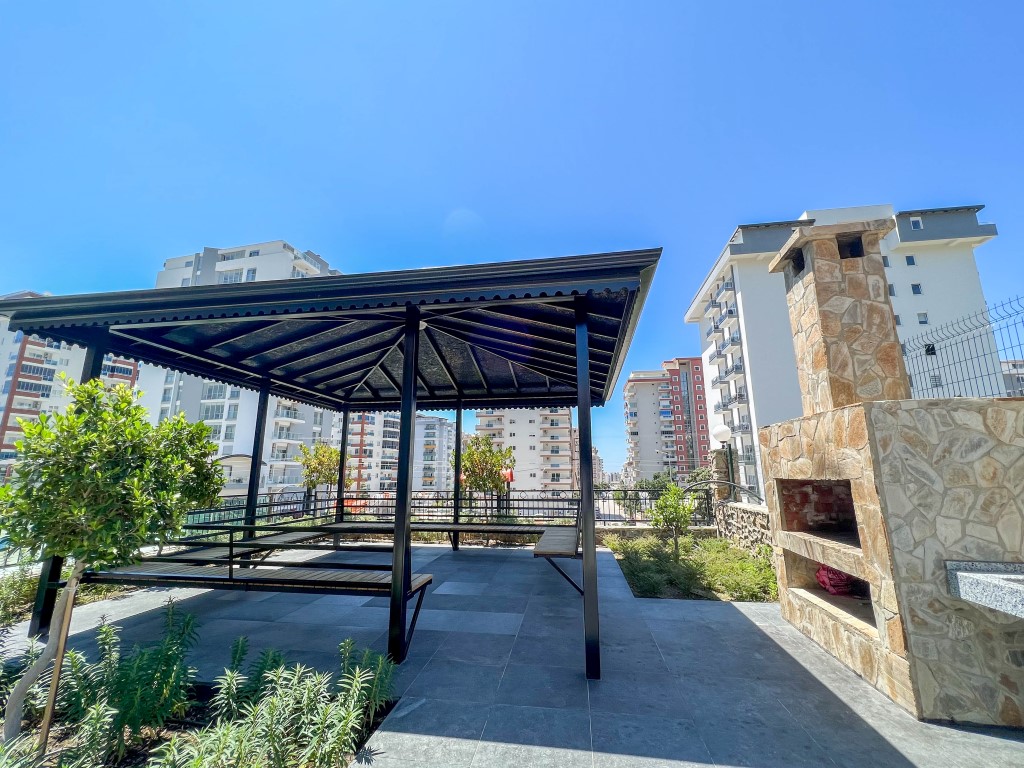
<point x="325" y="579"/>
<point x="560" y="541"/>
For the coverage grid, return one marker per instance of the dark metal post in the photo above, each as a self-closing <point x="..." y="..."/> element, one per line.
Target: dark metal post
<point x="46" y="593"/>
<point x="457" y="502"/>
<point x="591" y="620"/>
<point x="401" y="563"/>
<point x="339" y="509"/>
<point x="256" y="462"/>
<point x="732" y="472"/>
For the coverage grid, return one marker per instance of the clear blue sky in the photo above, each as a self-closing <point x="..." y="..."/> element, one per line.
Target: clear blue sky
<point x="395" y="135"/>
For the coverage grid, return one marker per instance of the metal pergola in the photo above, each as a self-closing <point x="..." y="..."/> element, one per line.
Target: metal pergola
<point x="546" y="332"/>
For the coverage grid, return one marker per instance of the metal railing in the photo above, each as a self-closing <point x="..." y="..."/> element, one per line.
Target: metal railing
<point x="977" y="355"/>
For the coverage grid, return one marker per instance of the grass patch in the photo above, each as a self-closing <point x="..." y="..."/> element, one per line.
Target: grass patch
<point x="706" y="569"/>
<point x="18" y="592"/>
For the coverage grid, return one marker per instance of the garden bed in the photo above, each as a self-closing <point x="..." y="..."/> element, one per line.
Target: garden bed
<point x="706" y="569"/>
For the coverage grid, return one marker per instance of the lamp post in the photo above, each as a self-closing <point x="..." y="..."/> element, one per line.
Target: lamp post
<point x="723" y="434"/>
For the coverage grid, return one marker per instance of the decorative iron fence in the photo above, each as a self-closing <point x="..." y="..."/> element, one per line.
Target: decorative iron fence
<point x="978" y="355"/>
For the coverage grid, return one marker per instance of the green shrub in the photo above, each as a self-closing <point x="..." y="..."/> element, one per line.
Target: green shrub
<point x="17" y="591"/>
<point x="144" y="688"/>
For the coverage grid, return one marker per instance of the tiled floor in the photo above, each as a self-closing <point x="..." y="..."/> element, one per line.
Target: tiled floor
<point x="495" y="675"/>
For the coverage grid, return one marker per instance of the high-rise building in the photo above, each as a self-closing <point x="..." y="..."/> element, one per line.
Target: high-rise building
<point x="542" y="444"/>
<point x="31" y="385"/>
<point x="744" y="319"/>
<point x="228" y="410"/>
<point x="666" y="420"/>
<point x="435" y="442"/>
<point x="1013" y="377"/>
<point x="599" y="473"/>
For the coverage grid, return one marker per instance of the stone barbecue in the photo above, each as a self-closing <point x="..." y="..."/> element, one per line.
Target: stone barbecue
<point x="884" y="490"/>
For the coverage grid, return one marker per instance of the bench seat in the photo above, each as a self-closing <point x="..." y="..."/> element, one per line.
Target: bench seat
<point x="558" y="542"/>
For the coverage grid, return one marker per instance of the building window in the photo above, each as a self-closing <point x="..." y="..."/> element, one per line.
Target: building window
<point x="231" y="276"/>
<point x="169" y="377"/>
<point x="253" y="253"/>
<point x="916" y="223"/>
<point x="232" y="412"/>
<point x="915" y="288"/>
<point x="234" y="393"/>
<point x="897" y="319"/>
<point x="250" y="275"/>
<point x="699" y="387"/>
<point x="215" y="432"/>
<point x="186" y="282"/>
<point x="911" y="260"/>
<point x="922" y="318"/>
<point x="229" y="432"/>
<point x="892" y="289"/>
<point x="885" y="261"/>
<point x="211" y="412"/>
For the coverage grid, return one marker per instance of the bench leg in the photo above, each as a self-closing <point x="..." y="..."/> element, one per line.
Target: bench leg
<point x="415" y="616"/>
<point x="453" y="537"/>
<point x="565" y="575"/>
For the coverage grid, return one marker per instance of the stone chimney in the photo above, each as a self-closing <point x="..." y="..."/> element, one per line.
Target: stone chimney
<point x="844" y="332"/>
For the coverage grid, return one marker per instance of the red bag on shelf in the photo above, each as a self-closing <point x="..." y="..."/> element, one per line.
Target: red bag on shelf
<point x="833" y="581"/>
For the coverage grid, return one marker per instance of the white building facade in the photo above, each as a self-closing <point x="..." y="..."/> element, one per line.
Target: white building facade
<point x="744" y="320"/>
<point x="432" y="453"/>
<point x="542" y="444"/>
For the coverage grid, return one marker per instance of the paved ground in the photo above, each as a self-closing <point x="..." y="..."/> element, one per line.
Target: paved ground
<point x="495" y="676"/>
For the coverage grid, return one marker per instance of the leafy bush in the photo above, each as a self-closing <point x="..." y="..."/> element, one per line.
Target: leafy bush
<point x="705" y="566"/>
<point x="142" y="689"/>
<point x="301" y="719"/>
<point x="17" y="591"/>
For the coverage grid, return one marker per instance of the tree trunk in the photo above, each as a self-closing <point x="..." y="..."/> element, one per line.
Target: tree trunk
<point x="15" y="709"/>
<point x="675" y="543"/>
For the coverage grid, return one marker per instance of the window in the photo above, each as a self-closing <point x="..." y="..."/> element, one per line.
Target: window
<point x="699" y="387"/>
<point x="186" y="282"/>
<point x="189" y="263"/>
<point x="234" y="393"/>
<point x="897" y="319"/>
<point x="885" y="261"/>
<point x="675" y="389"/>
<point x="915" y="288"/>
<point x="212" y="412"/>
<point x="700" y="397"/>
<point x="935" y="380"/>
<point x="922" y="318"/>
<point x="253" y="254"/>
<point x="916" y="223"/>
<point x="231" y="276"/>
<point x="231" y="255"/>
<point x="533" y="474"/>
<point x="215" y="432"/>
<point x="229" y="432"/>
<point x="533" y="447"/>
<point x="556" y="477"/>
<point x="703" y="427"/>
<point x="169" y="377"/>
<point x="232" y="412"/>
<point x="250" y="275"/>
<point x="892" y="289"/>
<point x="911" y="260"/>
<point x="166" y="397"/>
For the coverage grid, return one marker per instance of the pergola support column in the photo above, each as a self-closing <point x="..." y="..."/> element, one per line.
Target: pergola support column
<point x="401" y="563"/>
<point x="46" y="591"/>
<point x="256" y="462"/>
<point x="591" y="619"/>
<point x="457" y="500"/>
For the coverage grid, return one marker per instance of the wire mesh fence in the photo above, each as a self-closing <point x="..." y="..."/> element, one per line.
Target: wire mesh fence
<point x="977" y="355"/>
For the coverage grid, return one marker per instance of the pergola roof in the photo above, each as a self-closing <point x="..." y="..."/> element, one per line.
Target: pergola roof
<point x="491" y="335"/>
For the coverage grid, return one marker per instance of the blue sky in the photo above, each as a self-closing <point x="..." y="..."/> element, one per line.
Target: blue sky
<point x="396" y="135"/>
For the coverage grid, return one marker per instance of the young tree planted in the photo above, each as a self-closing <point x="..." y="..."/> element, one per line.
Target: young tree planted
<point x="97" y="484"/>
<point x="320" y="465"/>
<point x="483" y="464"/>
<point x="672" y="513"/>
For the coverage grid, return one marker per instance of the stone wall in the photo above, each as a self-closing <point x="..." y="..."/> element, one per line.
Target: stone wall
<point x="745" y="525"/>
<point x="952" y="482"/>
<point x="719" y="460"/>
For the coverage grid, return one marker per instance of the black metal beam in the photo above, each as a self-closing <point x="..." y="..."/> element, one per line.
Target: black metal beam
<point x="256" y="460"/>
<point x="591" y="618"/>
<point x="432" y="343"/>
<point x="401" y="564"/>
<point x="49" y="576"/>
<point x="457" y="499"/>
<point x="297" y="358"/>
<point x="349" y="365"/>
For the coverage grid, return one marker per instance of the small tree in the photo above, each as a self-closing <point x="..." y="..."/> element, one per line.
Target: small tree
<point x="483" y="463"/>
<point x="672" y="513"/>
<point x="97" y="484"/>
<point x="320" y="466"/>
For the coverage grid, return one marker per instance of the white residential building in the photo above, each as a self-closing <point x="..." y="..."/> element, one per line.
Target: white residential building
<point x="435" y="442"/>
<point x="744" y="321"/>
<point x="229" y="411"/>
<point x="542" y="444"/>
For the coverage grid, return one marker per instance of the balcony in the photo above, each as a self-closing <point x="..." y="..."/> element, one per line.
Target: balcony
<point x="555" y="438"/>
<point x="736" y="399"/>
<point x="734" y="371"/>
<point x="711" y="306"/>
<point x="733" y="342"/>
<point x="288" y="414"/>
<point x="490" y="426"/>
<point x="721" y="380"/>
<point x="285" y="436"/>
<point x="741" y="428"/>
<point x="726" y="288"/>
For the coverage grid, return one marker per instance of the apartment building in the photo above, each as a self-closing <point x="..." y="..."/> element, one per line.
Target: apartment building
<point x="432" y="452"/>
<point x="599" y="474"/>
<point x="542" y="444"/>
<point x="31" y="385"/>
<point x="230" y="411"/>
<point x="1013" y="378"/>
<point x="666" y="414"/>
<point x="744" y="321"/>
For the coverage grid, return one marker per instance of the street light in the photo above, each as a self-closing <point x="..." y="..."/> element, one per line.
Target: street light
<point x="723" y="434"/>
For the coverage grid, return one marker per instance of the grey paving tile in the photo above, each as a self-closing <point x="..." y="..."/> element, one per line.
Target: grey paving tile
<point x="476" y="647"/>
<point x="538" y="625"/>
<point x="533" y="685"/>
<point x="639" y="693"/>
<point x="536" y="737"/>
<point x="548" y="651"/>
<point x="480" y="603"/>
<point x="460" y="588"/>
<point x="431" y="731"/>
<point x="457" y="681"/>
<point x="642" y="741"/>
<point x="471" y="621"/>
<point x="775" y="744"/>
